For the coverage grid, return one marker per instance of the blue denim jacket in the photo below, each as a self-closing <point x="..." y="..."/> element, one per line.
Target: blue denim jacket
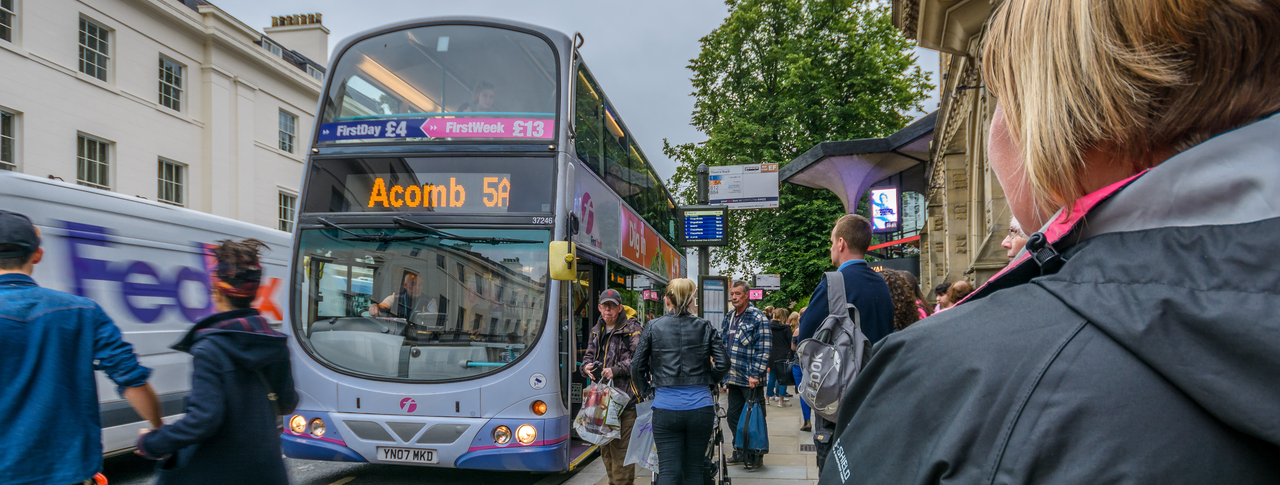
<point x="50" y="344"/>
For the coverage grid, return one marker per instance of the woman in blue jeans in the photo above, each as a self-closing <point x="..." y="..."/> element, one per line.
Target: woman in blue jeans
<point x="794" y="321"/>
<point x="680" y="357"/>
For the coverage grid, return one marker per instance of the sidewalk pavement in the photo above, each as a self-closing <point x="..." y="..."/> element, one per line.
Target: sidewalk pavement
<point x="784" y="465"/>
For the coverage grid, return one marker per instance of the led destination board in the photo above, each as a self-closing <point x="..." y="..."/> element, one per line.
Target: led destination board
<point x="703" y="225"/>
<point x="469" y="192"/>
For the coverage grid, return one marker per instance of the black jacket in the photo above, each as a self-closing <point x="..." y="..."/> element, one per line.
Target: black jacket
<point x="229" y="433"/>
<point x="780" y="349"/>
<point x="1151" y="356"/>
<point x="678" y="351"/>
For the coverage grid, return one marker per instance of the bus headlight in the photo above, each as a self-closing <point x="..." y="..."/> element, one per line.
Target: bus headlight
<point x="298" y="424"/>
<point x="502" y="435"/>
<point x="539" y="408"/>
<point x="526" y="434"/>
<point x="317" y="427"/>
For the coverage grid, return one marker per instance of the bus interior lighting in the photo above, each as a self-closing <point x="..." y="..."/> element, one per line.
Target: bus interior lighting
<point x="502" y="435"/>
<point x="298" y="424"/>
<point x="526" y="434"/>
<point x="539" y="408"/>
<point x="317" y="428"/>
<point x="401" y="88"/>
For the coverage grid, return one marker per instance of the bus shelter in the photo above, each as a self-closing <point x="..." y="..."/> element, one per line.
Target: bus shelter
<point x="850" y="168"/>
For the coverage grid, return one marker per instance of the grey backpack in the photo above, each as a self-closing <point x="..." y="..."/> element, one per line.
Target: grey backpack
<point x="833" y="357"/>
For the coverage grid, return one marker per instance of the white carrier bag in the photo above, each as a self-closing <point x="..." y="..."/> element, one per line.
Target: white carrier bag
<point x="833" y="357"/>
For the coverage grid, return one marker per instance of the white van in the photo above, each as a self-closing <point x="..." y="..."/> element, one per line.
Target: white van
<point x="145" y="263"/>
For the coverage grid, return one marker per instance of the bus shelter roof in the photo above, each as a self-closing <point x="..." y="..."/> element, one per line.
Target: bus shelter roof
<point x="850" y="167"/>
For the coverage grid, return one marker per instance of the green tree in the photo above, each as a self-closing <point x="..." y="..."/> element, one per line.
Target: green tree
<point x="775" y="79"/>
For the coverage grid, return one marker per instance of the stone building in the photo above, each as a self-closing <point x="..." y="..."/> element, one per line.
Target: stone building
<point x="169" y="100"/>
<point x="967" y="213"/>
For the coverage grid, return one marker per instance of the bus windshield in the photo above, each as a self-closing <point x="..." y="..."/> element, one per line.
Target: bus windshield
<point x="420" y="303"/>
<point x="442" y="83"/>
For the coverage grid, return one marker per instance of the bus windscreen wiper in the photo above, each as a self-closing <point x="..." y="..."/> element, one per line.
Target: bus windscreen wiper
<point x="381" y="238"/>
<point x="400" y="221"/>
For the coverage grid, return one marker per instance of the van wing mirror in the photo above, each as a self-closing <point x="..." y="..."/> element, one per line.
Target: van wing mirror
<point x="563" y="264"/>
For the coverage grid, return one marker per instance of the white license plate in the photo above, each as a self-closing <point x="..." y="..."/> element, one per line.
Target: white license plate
<point x="406" y="455"/>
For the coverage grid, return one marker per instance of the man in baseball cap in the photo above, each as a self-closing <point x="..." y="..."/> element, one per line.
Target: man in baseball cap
<point x="608" y="359"/>
<point x="50" y="344"/>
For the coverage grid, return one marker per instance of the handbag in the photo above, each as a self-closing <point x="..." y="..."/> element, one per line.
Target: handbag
<point x="752" y="433"/>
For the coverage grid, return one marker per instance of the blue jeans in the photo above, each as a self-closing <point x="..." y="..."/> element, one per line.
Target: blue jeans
<point x="804" y="406"/>
<point x="773" y="388"/>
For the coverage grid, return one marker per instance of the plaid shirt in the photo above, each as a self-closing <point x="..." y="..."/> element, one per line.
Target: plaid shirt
<point x="749" y="350"/>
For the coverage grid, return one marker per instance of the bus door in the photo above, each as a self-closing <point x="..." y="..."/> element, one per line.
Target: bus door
<point x="585" y="291"/>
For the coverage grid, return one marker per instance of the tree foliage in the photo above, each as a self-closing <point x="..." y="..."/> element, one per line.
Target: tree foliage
<point x="775" y="79"/>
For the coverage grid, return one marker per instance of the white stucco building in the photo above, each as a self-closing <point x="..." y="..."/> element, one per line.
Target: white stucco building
<point x="171" y="100"/>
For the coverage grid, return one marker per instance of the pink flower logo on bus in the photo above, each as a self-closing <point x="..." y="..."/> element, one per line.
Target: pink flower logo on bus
<point x="408" y="405"/>
<point x="588" y="212"/>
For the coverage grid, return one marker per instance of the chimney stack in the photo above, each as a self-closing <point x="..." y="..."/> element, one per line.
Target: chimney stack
<point x="304" y="33"/>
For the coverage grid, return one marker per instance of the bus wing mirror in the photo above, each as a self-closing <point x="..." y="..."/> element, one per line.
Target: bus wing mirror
<point x="563" y="263"/>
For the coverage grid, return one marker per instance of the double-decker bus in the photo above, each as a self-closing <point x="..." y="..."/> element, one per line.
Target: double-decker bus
<point x="439" y="306"/>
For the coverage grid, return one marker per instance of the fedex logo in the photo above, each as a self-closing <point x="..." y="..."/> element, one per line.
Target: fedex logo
<point x="146" y="291"/>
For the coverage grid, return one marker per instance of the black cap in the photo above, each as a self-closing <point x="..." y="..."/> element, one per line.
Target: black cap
<point x="16" y="229"/>
<point x="610" y="296"/>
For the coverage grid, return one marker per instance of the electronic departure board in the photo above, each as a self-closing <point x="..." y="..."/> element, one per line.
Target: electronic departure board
<point x="703" y="225"/>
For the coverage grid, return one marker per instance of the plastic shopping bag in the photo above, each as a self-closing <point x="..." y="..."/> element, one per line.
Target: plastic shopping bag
<point x="753" y="433"/>
<point x="614" y="407"/>
<point x="642" y="450"/>
<point x="592" y="421"/>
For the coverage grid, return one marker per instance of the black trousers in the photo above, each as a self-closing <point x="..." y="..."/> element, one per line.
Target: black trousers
<point x="822" y="438"/>
<point x="738" y="396"/>
<point x="681" y="438"/>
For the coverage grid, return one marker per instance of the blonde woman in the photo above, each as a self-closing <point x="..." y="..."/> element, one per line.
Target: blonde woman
<point x="680" y="357"/>
<point x="1142" y="136"/>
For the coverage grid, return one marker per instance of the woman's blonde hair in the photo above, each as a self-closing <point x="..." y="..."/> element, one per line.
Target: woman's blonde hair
<point x="680" y="293"/>
<point x="780" y="314"/>
<point x="794" y="320"/>
<point x="1141" y="79"/>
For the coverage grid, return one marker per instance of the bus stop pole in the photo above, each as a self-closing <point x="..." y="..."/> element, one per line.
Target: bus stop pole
<point x="703" y="251"/>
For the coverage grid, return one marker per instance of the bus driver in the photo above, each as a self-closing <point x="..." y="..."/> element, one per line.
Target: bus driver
<point x="406" y="302"/>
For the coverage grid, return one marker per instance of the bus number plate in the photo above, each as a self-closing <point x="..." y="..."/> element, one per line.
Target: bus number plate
<point x="544" y="220"/>
<point x="407" y="455"/>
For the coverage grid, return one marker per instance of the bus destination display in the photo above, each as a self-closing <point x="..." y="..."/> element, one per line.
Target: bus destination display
<point x="704" y="225"/>
<point x="461" y="192"/>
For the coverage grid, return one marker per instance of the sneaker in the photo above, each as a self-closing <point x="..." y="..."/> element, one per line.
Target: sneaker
<point x="735" y="459"/>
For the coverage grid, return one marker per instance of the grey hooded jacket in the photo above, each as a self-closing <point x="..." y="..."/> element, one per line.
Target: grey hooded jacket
<point x="1151" y="356"/>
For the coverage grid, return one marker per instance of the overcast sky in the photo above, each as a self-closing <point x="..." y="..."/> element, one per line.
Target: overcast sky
<point x="638" y="51"/>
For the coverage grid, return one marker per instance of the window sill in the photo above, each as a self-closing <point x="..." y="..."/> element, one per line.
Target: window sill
<point x="97" y="82"/>
<point x="275" y="149"/>
<point x="14" y="48"/>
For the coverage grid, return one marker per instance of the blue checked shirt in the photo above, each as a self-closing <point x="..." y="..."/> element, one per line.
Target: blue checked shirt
<point x="749" y="347"/>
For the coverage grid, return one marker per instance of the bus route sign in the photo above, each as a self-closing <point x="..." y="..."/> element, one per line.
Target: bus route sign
<point x="703" y="225"/>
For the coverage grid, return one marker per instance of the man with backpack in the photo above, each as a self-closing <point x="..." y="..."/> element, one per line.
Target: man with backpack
<point x="863" y="288"/>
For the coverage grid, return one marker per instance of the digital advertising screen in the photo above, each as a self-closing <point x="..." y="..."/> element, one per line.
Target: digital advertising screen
<point x="756" y="294"/>
<point x="885" y="212"/>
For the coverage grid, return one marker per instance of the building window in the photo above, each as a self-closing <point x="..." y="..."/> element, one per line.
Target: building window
<point x="461" y="312"/>
<point x="288" y="131"/>
<point x="440" y="261"/>
<point x="93" y="49"/>
<point x="93" y="165"/>
<point x="8" y="141"/>
<point x="7" y="14"/>
<point x="170" y="84"/>
<point x="462" y="275"/>
<point x="288" y="205"/>
<point x="171" y="180"/>
<point x="316" y="73"/>
<point x="272" y="47"/>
